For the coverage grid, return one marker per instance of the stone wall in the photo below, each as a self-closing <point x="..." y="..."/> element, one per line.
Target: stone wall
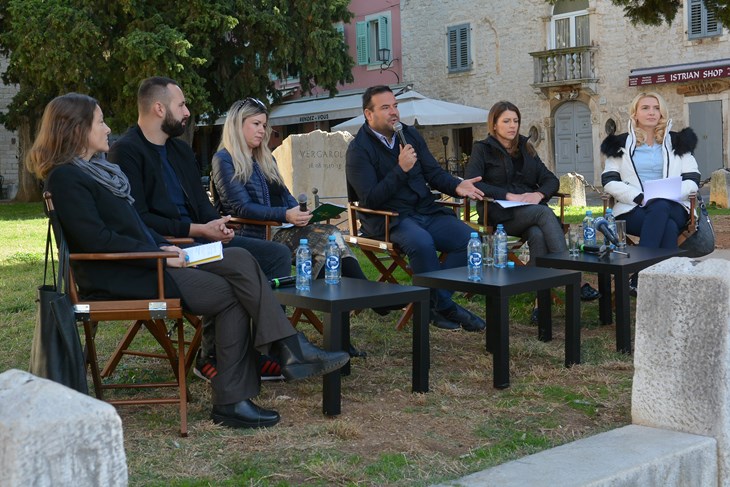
<point x="502" y="38"/>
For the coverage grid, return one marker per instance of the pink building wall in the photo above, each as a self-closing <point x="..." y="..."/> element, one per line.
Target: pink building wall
<point x="365" y="76"/>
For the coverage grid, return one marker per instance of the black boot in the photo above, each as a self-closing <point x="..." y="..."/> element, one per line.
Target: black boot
<point x="300" y="359"/>
<point x="244" y="414"/>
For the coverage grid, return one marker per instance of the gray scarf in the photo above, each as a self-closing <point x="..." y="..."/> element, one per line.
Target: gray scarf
<point x="107" y="174"/>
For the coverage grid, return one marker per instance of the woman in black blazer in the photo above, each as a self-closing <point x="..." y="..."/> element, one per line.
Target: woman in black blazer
<point x="92" y="200"/>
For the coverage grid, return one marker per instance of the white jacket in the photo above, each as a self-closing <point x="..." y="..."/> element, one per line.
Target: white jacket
<point x="620" y="179"/>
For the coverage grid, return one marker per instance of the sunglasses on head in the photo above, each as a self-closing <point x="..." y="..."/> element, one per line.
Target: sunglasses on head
<point x="255" y="102"/>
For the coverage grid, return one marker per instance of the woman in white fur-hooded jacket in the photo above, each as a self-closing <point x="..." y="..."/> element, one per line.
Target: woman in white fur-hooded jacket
<point x="650" y="151"/>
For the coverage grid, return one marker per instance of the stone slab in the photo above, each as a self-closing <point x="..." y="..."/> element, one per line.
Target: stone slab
<point x="575" y="188"/>
<point x="628" y="456"/>
<point x="682" y="351"/>
<point x="720" y="188"/>
<point x="51" y="435"/>
<point x="315" y="160"/>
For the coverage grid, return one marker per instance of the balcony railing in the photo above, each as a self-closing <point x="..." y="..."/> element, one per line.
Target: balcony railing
<point x="567" y="66"/>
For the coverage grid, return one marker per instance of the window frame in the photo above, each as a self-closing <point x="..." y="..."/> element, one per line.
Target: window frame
<point x="705" y="18"/>
<point x="571" y="16"/>
<point x="365" y="42"/>
<point x="462" y="59"/>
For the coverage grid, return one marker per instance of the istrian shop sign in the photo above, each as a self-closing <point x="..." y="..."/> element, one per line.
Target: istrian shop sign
<point x="658" y="76"/>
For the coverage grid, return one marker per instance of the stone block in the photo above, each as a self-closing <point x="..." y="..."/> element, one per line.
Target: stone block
<point x="573" y="186"/>
<point x="51" y="435"/>
<point x="315" y="160"/>
<point x="624" y="457"/>
<point x="682" y="351"/>
<point x="720" y="188"/>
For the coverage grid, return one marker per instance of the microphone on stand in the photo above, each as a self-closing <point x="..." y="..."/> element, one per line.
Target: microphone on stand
<point x="398" y="127"/>
<point x="601" y="224"/>
<point x="302" y="199"/>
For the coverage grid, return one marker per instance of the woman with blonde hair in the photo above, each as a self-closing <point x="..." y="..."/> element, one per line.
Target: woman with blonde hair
<point x="246" y="182"/>
<point x="650" y="151"/>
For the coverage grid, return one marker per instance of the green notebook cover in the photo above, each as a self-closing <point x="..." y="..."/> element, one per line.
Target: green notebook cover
<point x="325" y="211"/>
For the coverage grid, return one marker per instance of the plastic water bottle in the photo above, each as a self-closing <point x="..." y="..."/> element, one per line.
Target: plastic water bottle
<point x="332" y="269"/>
<point x="500" y="247"/>
<point x="304" y="266"/>
<point x="589" y="231"/>
<point x="474" y="257"/>
<point x="611" y="224"/>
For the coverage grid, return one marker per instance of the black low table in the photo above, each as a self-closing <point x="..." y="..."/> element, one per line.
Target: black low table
<point x="336" y="301"/>
<point x="497" y="285"/>
<point x="621" y="267"/>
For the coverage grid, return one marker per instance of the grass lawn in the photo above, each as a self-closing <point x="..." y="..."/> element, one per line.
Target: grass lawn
<point x="385" y="435"/>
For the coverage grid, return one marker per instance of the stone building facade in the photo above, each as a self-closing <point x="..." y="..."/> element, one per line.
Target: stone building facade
<point x="8" y="143"/>
<point x="572" y="68"/>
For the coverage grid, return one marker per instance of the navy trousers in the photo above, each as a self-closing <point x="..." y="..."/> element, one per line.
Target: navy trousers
<point x="422" y="236"/>
<point x="658" y="224"/>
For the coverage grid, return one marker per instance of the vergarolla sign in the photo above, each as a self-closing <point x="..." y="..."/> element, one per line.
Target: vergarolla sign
<point x="681" y="76"/>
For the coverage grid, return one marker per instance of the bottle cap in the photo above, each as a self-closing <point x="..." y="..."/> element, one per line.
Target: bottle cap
<point x="589" y="212"/>
<point x="474" y="235"/>
<point x="331" y="238"/>
<point x="303" y="241"/>
<point x="510" y="264"/>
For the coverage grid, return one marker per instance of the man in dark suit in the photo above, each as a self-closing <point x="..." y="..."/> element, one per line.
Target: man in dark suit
<point x="165" y="178"/>
<point x="389" y="176"/>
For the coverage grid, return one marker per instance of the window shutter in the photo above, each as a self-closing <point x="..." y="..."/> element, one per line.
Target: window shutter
<point x="464" y="60"/>
<point x="452" y="49"/>
<point x="713" y="25"/>
<point x="362" y="42"/>
<point x="383" y="37"/>
<point x="695" y="18"/>
<point x="459" y="57"/>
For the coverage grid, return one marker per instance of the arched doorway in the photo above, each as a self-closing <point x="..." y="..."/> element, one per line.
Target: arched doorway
<point x="574" y="139"/>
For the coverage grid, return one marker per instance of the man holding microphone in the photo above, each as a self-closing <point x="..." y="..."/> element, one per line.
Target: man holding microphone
<point x="398" y="175"/>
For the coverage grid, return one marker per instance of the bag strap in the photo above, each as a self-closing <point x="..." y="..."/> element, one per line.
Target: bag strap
<point x="49" y="252"/>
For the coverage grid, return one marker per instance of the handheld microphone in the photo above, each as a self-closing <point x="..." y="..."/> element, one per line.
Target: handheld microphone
<point x="302" y="199"/>
<point x="601" y="225"/>
<point x="283" y="281"/>
<point x="592" y="249"/>
<point x="398" y="127"/>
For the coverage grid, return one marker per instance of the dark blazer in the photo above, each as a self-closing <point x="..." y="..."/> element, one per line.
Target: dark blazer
<point x="141" y="162"/>
<point x="378" y="182"/>
<point x="94" y="220"/>
<point x="490" y="160"/>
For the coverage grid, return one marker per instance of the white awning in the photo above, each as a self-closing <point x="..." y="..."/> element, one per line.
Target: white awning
<point x="317" y="110"/>
<point x="416" y="109"/>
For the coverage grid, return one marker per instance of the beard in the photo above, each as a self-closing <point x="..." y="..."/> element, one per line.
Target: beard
<point x="173" y="127"/>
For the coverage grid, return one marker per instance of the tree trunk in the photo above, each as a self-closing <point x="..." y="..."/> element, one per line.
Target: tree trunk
<point x="28" y="184"/>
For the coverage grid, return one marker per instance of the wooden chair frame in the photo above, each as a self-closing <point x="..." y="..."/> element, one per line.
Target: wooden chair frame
<point x="468" y="213"/>
<point x="150" y="313"/>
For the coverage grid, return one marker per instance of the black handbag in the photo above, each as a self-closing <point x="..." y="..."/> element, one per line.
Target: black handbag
<point x="702" y="242"/>
<point x="56" y="352"/>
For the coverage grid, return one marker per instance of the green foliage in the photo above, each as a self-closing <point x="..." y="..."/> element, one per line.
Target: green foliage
<point x="656" y="12"/>
<point x="218" y="50"/>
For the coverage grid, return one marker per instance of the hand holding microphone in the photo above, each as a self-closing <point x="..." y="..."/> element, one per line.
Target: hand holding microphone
<point x="407" y="157"/>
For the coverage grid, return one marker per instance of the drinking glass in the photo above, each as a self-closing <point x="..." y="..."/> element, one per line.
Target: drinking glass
<point x="621" y="233"/>
<point x="488" y="250"/>
<point x="574" y="235"/>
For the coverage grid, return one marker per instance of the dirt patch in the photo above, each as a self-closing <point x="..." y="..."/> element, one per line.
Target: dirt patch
<point x="722" y="231"/>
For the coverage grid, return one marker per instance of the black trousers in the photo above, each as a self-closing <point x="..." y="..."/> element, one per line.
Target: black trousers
<point x="236" y="295"/>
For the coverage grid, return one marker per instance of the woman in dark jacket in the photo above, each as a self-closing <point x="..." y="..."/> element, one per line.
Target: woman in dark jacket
<point x="512" y="171"/>
<point x="92" y="200"/>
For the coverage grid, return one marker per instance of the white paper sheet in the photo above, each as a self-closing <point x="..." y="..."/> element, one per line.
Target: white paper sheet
<point x="510" y="204"/>
<point x="666" y="188"/>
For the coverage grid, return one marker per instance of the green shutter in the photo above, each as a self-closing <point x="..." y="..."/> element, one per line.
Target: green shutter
<point x="362" y="43"/>
<point x="383" y="37"/>
<point x="459" y="57"/>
